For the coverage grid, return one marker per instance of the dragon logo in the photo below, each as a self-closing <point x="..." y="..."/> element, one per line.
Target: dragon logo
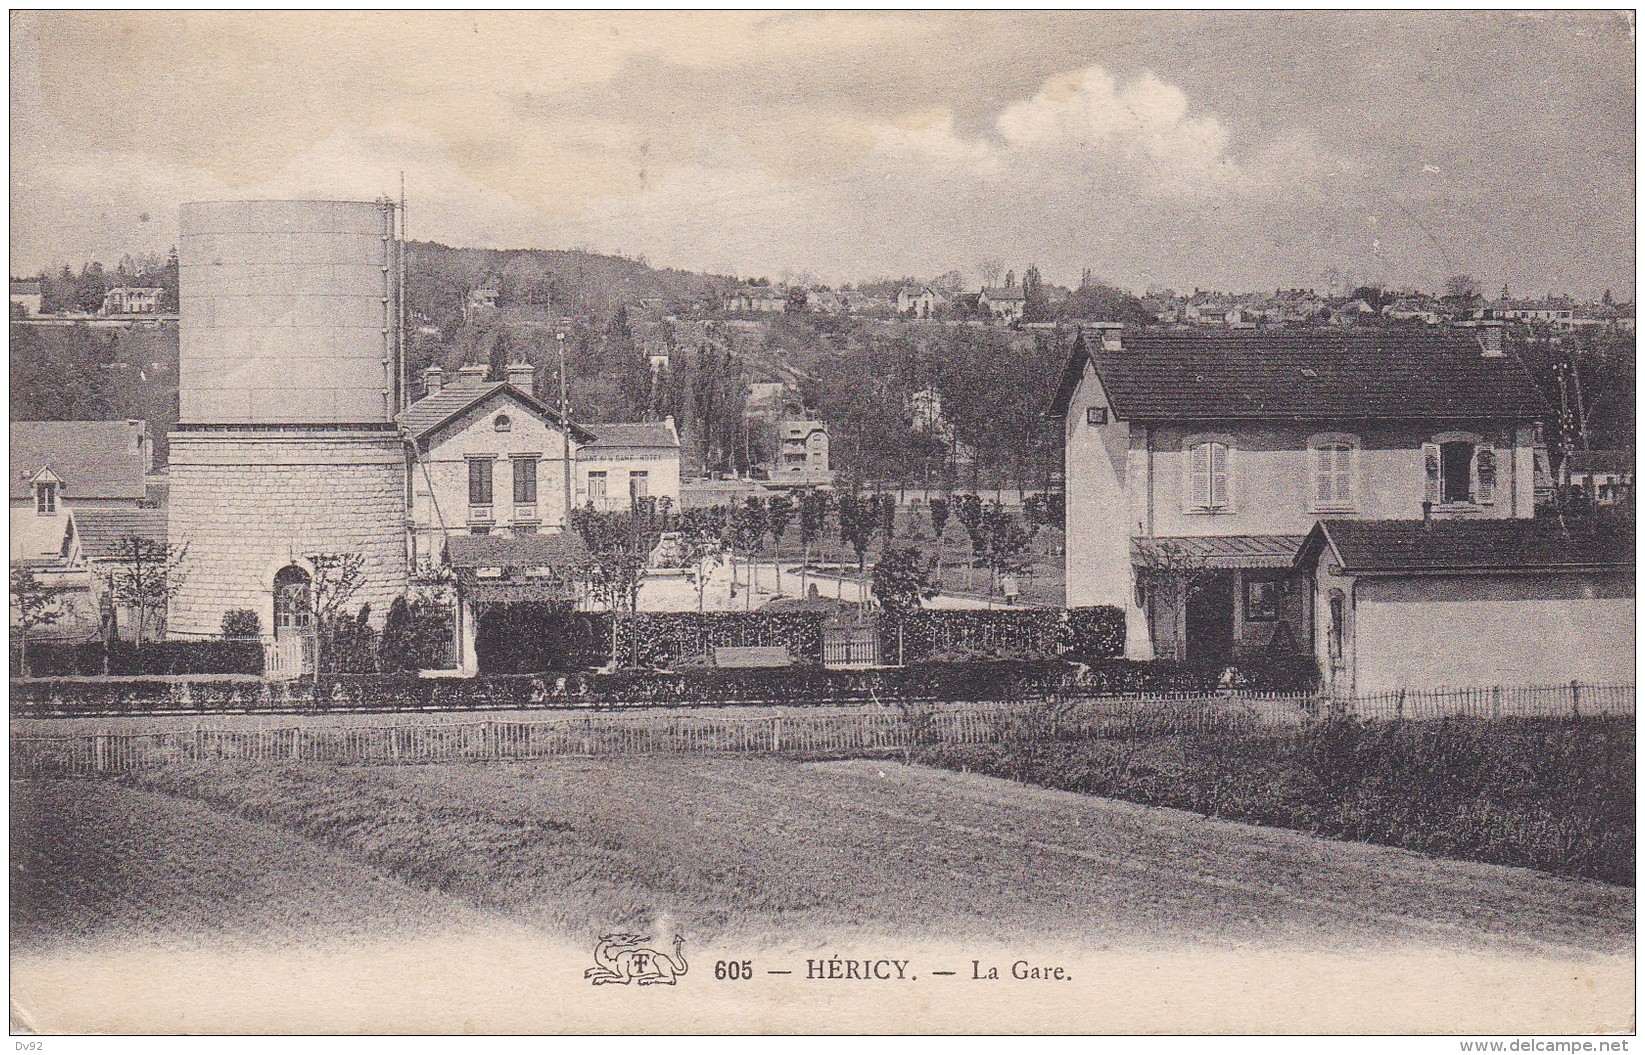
<point x="624" y="959"/>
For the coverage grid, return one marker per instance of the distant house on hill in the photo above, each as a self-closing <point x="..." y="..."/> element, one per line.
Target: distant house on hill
<point x="481" y="300"/>
<point x="1005" y="303"/>
<point x="920" y="302"/>
<point x="132" y="300"/>
<point x="26" y="294"/>
<point x="758" y="300"/>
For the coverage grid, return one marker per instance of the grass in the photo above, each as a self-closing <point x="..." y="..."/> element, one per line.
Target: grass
<point x="748" y="849"/>
<point x="1551" y="794"/>
<point x="96" y="862"/>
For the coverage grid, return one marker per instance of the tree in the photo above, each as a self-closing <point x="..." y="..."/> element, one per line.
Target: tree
<point x="35" y="604"/>
<point x="241" y="624"/>
<point x="988" y="270"/>
<point x="334" y="579"/>
<point x="968" y="510"/>
<point x="856" y="526"/>
<point x="758" y="522"/>
<point x="939" y="516"/>
<point x="1169" y="574"/>
<point x="143" y="575"/>
<point x="939" y="525"/>
<point x="1461" y="288"/>
<point x="779" y="513"/>
<point x="1036" y="305"/>
<point x="620" y="546"/>
<point x="394" y="646"/>
<point x="902" y="579"/>
<point x="813" y="518"/>
<point x="702" y="545"/>
<point x="1005" y="540"/>
<point x="796" y="301"/>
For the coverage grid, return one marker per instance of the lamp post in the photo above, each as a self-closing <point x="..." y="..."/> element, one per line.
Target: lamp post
<point x="565" y="427"/>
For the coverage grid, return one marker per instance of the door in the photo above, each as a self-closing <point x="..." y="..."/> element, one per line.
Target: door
<point x="1210" y="622"/>
<point x="293" y="652"/>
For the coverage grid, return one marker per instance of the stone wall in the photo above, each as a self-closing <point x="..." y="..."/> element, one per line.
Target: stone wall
<point x="249" y="503"/>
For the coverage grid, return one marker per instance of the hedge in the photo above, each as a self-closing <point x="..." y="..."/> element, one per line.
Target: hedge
<point x="669" y="638"/>
<point x="211" y="656"/>
<point x="801" y="685"/>
<point x="1084" y="634"/>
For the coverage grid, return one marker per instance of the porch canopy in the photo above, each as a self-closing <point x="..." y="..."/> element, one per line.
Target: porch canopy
<point x="1220" y="551"/>
<point x="498" y="569"/>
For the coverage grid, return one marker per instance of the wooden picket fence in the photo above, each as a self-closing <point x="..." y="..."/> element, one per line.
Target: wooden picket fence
<point x="797" y="731"/>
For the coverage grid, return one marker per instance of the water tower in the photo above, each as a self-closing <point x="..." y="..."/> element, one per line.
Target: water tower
<point x="289" y="379"/>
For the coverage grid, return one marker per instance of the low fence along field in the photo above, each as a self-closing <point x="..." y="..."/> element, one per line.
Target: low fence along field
<point x="898" y="726"/>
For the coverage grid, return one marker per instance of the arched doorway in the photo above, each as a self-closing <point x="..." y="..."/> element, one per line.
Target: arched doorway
<point x="293" y="623"/>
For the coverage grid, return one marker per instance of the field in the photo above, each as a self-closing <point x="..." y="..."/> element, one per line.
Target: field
<point x="756" y="850"/>
<point x="466" y="897"/>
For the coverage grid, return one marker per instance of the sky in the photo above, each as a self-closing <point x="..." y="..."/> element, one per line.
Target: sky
<point x="1234" y="151"/>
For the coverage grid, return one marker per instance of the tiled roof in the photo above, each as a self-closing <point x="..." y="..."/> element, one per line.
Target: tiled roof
<point x="25" y="286"/>
<point x="1414" y="546"/>
<point x="632" y="434"/>
<point x="102" y="529"/>
<point x="1599" y="462"/>
<point x="530" y="568"/>
<point x="429" y="413"/>
<point x="1004" y="293"/>
<point x="94" y="459"/>
<point x="1338" y="375"/>
<point x="517" y="552"/>
<point x="1223" y="551"/>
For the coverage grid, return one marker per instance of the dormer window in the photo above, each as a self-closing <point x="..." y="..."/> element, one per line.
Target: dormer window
<point x="45" y="498"/>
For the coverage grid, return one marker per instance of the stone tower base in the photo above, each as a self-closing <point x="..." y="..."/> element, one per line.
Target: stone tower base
<point x="248" y="502"/>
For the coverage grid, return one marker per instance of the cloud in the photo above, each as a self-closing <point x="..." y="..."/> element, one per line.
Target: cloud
<point x="1142" y="135"/>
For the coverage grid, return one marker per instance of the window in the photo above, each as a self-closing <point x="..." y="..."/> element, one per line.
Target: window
<point x="596" y="487"/>
<point x="45" y="499"/>
<point x="1096" y="415"/>
<point x="1331" y="465"/>
<point x="1262" y="597"/>
<point x="1456" y="470"/>
<point x="639" y="484"/>
<point x="1459" y="469"/>
<point x="1336" y="638"/>
<point x="1208" y="477"/>
<point x="479" y="481"/>
<point x="503" y="423"/>
<point x="525" y="481"/>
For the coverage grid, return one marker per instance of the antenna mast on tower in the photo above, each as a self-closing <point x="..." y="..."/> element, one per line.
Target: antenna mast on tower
<point x="405" y="365"/>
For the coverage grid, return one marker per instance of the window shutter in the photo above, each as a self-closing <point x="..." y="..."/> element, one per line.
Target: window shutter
<point x="1219" y="475"/>
<point x="1430" y="462"/>
<point x="1199" y="476"/>
<point x="1322" y="474"/>
<point x="1343" y="475"/>
<point x="1484" y="474"/>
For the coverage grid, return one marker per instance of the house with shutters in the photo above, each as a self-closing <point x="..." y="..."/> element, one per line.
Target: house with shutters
<point x="1198" y="462"/>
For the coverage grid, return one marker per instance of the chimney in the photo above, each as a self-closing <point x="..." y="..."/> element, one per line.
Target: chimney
<point x="522" y="376"/>
<point x="1490" y="338"/>
<point x="1110" y="333"/>
<point x="472" y="375"/>
<point x="433" y="379"/>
